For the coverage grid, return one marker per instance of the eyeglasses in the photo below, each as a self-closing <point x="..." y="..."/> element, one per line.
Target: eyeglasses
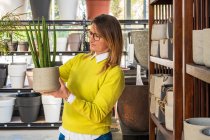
<point x="95" y="36"/>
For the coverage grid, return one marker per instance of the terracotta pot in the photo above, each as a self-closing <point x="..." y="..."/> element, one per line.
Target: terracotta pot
<point x="74" y="42"/>
<point x="97" y="7"/>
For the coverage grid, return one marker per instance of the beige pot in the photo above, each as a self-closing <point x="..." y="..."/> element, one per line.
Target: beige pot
<point x="46" y="79"/>
<point x="193" y="128"/>
<point x="29" y="75"/>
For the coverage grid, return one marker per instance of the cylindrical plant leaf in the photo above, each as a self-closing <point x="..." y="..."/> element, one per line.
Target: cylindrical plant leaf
<point x="54" y="45"/>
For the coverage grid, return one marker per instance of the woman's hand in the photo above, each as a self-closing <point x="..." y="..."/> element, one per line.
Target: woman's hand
<point x="62" y="92"/>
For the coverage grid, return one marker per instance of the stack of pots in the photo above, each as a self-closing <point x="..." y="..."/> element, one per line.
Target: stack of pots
<point x="6" y="109"/>
<point x="17" y="72"/>
<point x="28" y="105"/>
<point x="52" y="108"/>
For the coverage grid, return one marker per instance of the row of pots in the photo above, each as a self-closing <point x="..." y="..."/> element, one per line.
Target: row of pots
<point x="67" y="8"/>
<point x="29" y="105"/>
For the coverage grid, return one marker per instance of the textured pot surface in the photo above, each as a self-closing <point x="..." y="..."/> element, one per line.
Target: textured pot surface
<point x="46" y="79"/>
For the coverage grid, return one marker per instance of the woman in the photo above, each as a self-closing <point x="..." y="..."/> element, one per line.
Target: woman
<point x="94" y="82"/>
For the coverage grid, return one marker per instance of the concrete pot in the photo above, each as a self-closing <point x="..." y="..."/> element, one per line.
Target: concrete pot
<point x="29" y="74"/>
<point x="6" y="109"/>
<point x="74" y="42"/>
<point x="193" y="128"/>
<point x="52" y="108"/>
<point x="206" y="47"/>
<point x="46" y="79"/>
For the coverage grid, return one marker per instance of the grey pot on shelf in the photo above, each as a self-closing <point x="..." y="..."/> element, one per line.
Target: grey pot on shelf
<point x="40" y="8"/>
<point x="3" y="74"/>
<point x="28" y="105"/>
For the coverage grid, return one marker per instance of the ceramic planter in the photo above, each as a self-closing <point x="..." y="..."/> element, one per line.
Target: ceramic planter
<point x="206" y="47"/>
<point x="140" y="40"/>
<point x="61" y="44"/>
<point x="23" y="46"/>
<point x="28" y="105"/>
<point x="68" y="9"/>
<point x="12" y="46"/>
<point x="4" y="66"/>
<point x="40" y="8"/>
<point x="17" y="73"/>
<point x="193" y="128"/>
<point x="3" y="76"/>
<point x="6" y="109"/>
<point x="29" y="74"/>
<point x="97" y="7"/>
<point x="52" y="108"/>
<point x="74" y="42"/>
<point x="197" y="45"/>
<point x="46" y="79"/>
<point x="169" y="117"/>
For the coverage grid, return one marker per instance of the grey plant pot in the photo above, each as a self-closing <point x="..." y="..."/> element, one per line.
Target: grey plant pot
<point x="3" y="74"/>
<point x="28" y="105"/>
<point x="40" y="8"/>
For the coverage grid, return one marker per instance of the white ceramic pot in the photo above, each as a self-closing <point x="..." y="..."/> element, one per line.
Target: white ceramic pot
<point x="169" y="117"/>
<point x="61" y="44"/>
<point x="29" y="75"/>
<point x="17" y="72"/>
<point x="68" y="9"/>
<point x="6" y="109"/>
<point x="198" y="47"/>
<point x="193" y="128"/>
<point x="52" y="108"/>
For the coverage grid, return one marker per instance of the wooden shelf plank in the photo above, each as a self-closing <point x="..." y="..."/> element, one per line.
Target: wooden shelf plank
<point x="161" y="1"/>
<point x="168" y="134"/>
<point x="164" y="62"/>
<point x="200" y="72"/>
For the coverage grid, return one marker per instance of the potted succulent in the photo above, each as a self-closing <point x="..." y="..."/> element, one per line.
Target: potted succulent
<point x="45" y="74"/>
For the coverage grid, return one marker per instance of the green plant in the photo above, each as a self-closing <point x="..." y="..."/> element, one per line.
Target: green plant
<point x="41" y="54"/>
<point x="9" y="24"/>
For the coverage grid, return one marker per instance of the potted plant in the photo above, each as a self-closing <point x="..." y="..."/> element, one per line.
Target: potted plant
<point x="45" y="74"/>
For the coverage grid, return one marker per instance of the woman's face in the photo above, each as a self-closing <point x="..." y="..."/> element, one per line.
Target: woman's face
<point x="97" y="43"/>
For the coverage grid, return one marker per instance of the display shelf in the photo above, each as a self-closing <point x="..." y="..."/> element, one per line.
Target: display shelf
<point x="164" y="62"/>
<point x="168" y="134"/>
<point x="40" y="123"/>
<point x="200" y="72"/>
<point x="161" y="1"/>
<point x="18" y="90"/>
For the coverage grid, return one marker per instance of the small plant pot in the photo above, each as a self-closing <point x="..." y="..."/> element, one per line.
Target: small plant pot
<point x="193" y="128"/>
<point x="46" y="79"/>
<point x="17" y="72"/>
<point x="6" y="109"/>
<point x="52" y="108"/>
<point x="23" y="46"/>
<point x="3" y="76"/>
<point x="61" y="44"/>
<point x="97" y="7"/>
<point x="74" y="42"/>
<point x="12" y="46"/>
<point x="28" y="105"/>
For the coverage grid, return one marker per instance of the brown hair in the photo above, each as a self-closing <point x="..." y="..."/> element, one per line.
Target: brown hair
<point x="109" y="27"/>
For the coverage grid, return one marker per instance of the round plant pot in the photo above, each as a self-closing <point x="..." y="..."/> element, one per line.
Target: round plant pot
<point x="193" y="128"/>
<point x="6" y="109"/>
<point x="46" y="79"/>
<point x="29" y="74"/>
<point x="67" y="9"/>
<point x="3" y="77"/>
<point x="74" y="42"/>
<point x="23" y="46"/>
<point x="17" y="72"/>
<point x="12" y="46"/>
<point x="97" y="7"/>
<point x="61" y="44"/>
<point x="28" y="105"/>
<point x="4" y="66"/>
<point x="40" y="8"/>
<point x="52" y="108"/>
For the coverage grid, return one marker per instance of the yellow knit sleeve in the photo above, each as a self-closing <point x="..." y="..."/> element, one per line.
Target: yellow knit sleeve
<point x="65" y="69"/>
<point x="105" y="99"/>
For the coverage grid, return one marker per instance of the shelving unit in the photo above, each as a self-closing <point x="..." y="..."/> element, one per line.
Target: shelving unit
<point x="197" y="78"/>
<point x="159" y="11"/>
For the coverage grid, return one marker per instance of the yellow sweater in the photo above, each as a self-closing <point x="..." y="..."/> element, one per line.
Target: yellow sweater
<point x="96" y="94"/>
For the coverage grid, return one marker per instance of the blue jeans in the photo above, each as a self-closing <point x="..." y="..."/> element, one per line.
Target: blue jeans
<point x="107" y="136"/>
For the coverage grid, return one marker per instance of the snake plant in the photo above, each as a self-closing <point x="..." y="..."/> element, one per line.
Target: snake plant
<point x="41" y="55"/>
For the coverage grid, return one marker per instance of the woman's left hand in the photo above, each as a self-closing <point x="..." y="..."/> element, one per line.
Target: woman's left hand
<point x="62" y="92"/>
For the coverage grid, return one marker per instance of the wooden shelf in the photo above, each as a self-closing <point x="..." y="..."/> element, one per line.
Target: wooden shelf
<point x="200" y="72"/>
<point x="164" y="62"/>
<point x="168" y="134"/>
<point x="161" y="1"/>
